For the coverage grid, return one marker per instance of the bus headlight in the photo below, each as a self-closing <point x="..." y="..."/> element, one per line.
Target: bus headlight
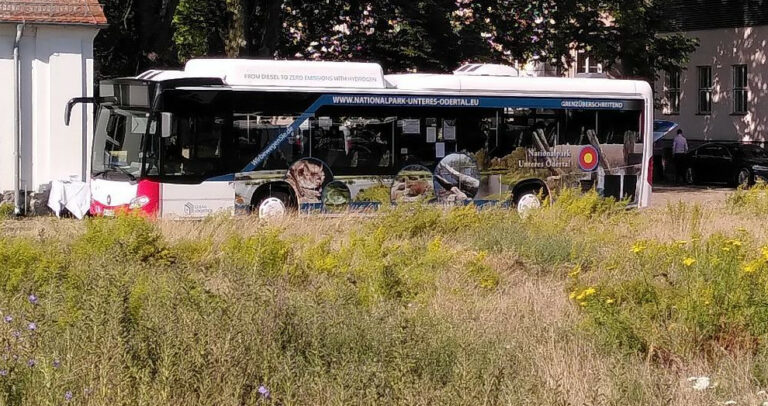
<point x="138" y="202"/>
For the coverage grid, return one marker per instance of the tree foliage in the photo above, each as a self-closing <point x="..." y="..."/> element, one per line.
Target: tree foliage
<point x="139" y="36"/>
<point x="636" y="42"/>
<point x="430" y="35"/>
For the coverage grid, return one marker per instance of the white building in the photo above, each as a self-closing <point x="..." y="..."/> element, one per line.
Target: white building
<point x="53" y="41"/>
<point x="723" y="92"/>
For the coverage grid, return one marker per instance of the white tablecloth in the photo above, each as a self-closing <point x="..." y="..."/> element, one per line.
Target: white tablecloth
<point x="75" y="196"/>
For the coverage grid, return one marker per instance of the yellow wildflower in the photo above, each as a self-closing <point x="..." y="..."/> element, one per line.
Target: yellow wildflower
<point x="572" y="295"/>
<point x="575" y="272"/>
<point x="609" y="301"/>
<point x="586" y="293"/>
<point x="688" y="261"/>
<point x="583" y="304"/>
<point x="638" y="247"/>
<point x="751" y="267"/>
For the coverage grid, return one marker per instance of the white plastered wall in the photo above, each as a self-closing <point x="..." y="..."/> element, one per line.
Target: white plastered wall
<point x="721" y="49"/>
<point x="56" y="65"/>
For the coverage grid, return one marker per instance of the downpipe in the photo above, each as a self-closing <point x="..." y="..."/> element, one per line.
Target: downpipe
<point x="18" y="203"/>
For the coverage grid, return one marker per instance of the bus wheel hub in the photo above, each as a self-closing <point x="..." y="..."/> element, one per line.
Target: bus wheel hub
<point x="271" y="207"/>
<point x="527" y="202"/>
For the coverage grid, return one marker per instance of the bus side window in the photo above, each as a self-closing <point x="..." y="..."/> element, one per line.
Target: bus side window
<point x="514" y="132"/>
<point x="412" y="147"/>
<point x="579" y="127"/>
<point x="475" y="131"/>
<point x="195" y="146"/>
<point x="254" y="132"/>
<point x="355" y="145"/>
<point x="618" y="127"/>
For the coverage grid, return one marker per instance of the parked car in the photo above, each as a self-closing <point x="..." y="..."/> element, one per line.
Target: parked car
<point x="731" y="163"/>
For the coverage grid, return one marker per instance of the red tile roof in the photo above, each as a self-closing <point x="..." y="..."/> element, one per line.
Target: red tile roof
<point x="52" y="11"/>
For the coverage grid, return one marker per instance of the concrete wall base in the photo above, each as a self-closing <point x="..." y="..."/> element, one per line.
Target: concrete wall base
<point x="36" y="202"/>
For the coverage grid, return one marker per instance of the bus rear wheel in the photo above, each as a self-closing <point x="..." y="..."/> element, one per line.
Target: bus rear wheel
<point x="527" y="200"/>
<point x="275" y="204"/>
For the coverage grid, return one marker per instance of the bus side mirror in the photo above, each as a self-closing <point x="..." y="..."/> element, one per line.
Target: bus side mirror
<point x="71" y="103"/>
<point x="165" y="127"/>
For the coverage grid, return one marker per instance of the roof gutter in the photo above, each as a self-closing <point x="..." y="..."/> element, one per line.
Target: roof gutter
<point x="18" y="202"/>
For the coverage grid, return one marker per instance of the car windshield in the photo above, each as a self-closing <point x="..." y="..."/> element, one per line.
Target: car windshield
<point x="117" y="143"/>
<point x="750" y="151"/>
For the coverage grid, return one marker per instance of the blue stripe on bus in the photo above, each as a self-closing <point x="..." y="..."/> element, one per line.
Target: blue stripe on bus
<point x="436" y="101"/>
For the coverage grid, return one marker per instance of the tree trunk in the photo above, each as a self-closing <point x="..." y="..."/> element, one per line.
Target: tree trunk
<point x="272" y="28"/>
<point x="249" y="17"/>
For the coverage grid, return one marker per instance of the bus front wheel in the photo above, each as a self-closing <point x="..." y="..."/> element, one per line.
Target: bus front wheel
<point x="274" y="204"/>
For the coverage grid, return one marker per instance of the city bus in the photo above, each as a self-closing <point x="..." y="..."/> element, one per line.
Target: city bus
<point x="274" y="137"/>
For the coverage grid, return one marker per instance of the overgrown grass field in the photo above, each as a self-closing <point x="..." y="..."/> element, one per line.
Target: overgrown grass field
<point x="580" y="303"/>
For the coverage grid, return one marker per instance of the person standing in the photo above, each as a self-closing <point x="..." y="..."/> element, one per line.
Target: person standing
<point x="679" y="151"/>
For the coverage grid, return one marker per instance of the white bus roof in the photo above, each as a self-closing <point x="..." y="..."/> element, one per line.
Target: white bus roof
<point x="528" y="85"/>
<point x="243" y="74"/>
<point x="249" y="72"/>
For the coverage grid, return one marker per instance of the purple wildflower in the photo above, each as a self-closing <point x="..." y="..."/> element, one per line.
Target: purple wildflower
<point x="3" y="372"/>
<point x="32" y="299"/>
<point x="56" y="363"/>
<point x="264" y="391"/>
<point x="68" y="396"/>
<point x="32" y="326"/>
<point x="8" y="318"/>
<point x="31" y="363"/>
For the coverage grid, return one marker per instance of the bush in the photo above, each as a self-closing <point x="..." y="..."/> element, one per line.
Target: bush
<point x="419" y="305"/>
<point x="6" y="211"/>
<point x="129" y="237"/>
<point x="27" y="266"/>
<point x="576" y="203"/>
<point x="752" y="200"/>
<point x="265" y="253"/>
<point x="683" y="299"/>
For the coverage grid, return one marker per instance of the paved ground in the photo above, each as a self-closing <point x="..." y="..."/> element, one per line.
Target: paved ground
<point x="691" y="194"/>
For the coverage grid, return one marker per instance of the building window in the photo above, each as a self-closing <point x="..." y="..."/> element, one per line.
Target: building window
<point x="705" y="89"/>
<point x="740" y="93"/>
<point x="586" y="64"/>
<point x="672" y="86"/>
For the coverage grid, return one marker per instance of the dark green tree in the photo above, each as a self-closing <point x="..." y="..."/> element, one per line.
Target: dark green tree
<point x="402" y="35"/>
<point x="200" y="28"/>
<point x="139" y="37"/>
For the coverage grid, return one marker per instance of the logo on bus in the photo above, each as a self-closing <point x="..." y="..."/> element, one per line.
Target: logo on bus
<point x="588" y="158"/>
<point x="192" y="209"/>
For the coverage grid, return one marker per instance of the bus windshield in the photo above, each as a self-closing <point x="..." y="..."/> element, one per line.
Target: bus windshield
<point x="117" y="143"/>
